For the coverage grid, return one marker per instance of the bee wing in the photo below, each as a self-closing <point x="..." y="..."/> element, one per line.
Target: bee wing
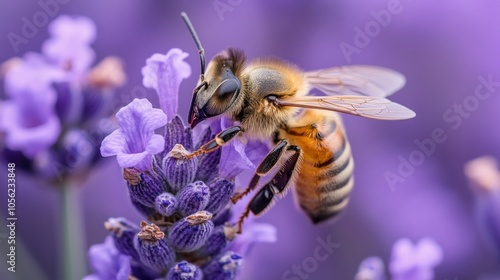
<point x="365" y="106"/>
<point x="356" y="80"/>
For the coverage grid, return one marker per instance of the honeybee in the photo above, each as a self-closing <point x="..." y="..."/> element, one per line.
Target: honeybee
<point x="269" y="98"/>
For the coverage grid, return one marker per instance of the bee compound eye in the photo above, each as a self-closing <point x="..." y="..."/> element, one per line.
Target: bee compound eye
<point x="228" y="88"/>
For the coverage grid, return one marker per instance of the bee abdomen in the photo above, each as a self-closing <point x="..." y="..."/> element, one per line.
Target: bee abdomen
<point x="323" y="187"/>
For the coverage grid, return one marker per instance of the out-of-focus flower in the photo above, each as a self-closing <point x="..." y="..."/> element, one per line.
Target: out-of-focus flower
<point x="414" y="261"/>
<point x="58" y="108"/>
<point x="135" y="142"/>
<point x="371" y="268"/>
<point x="28" y="117"/>
<point x="56" y="113"/>
<point x="187" y="199"/>
<point x="408" y="262"/>
<point x="484" y="180"/>
<point x="69" y="45"/>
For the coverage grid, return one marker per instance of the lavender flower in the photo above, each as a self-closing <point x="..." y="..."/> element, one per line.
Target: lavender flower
<point x="408" y="262"/>
<point x="56" y="113"/>
<point x="69" y="45"/>
<point x="135" y="143"/>
<point x="414" y="262"/>
<point x="164" y="73"/>
<point x="28" y="117"/>
<point x="58" y="107"/>
<point x="180" y="195"/>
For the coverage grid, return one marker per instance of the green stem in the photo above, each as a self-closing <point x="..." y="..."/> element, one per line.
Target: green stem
<point x="73" y="243"/>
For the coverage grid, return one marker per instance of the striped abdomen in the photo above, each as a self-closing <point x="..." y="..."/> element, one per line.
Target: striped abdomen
<point x="325" y="178"/>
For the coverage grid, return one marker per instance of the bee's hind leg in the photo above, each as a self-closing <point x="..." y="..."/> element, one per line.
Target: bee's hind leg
<point x="262" y="201"/>
<point x="269" y="161"/>
<point x="221" y="139"/>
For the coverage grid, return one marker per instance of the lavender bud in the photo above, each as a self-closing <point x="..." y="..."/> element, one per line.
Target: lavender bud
<point x="152" y="248"/>
<point x="222" y="216"/>
<point x="184" y="271"/>
<point x="224" y="267"/>
<point x="123" y="233"/>
<point x="193" y="198"/>
<point x="177" y="133"/>
<point x="192" y="232"/>
<point x="179" y="171"/>
<point x="216" y="242"/>
<point x="208" y="166"/>
<point x="166" y="204"/>
<point x="220" y="194"/>
<point x="144" y="187"/>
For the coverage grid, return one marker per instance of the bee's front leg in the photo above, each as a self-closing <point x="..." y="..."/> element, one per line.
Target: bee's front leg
<point x="220" y="140"/>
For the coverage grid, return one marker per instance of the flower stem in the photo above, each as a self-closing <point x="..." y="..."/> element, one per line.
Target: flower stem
<point x="73" y="262"/>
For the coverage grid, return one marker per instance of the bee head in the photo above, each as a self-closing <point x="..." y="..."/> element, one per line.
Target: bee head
<point x="218" y="89"/>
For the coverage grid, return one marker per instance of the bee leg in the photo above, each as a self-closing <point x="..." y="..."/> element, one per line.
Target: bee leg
<point x="221" y="139"/>
<point x="262" y="201"/>
<point x="264" y="167"/>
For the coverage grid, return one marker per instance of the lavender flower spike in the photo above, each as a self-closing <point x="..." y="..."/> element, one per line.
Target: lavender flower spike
<point x="164" y="73"/>
<point x="134" y="142"/>
<point x="28" y="118"/>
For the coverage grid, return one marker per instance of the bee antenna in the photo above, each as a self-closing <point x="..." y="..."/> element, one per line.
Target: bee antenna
<point x="201" y="51"/>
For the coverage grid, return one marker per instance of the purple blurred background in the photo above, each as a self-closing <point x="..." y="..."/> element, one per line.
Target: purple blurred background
<point x="441" y="47"/>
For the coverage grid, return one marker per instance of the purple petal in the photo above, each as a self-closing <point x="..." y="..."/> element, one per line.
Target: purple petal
<point x="28" y="118"/>
<point x="256" y="232"/>
<point x="134" y="142"/>
<point x="79" y="29"/>
<point x="69" y="45"/>
<point x="233" y="159"/>
<point x="414" y="262"/>
<point x="429" y="253"/>
<point x="256" y="151"/>
<point x="164" y="73"/>
<point x="31" y="140"/>
<point x="402" y="257"/>
<point x="107" y="262"/>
